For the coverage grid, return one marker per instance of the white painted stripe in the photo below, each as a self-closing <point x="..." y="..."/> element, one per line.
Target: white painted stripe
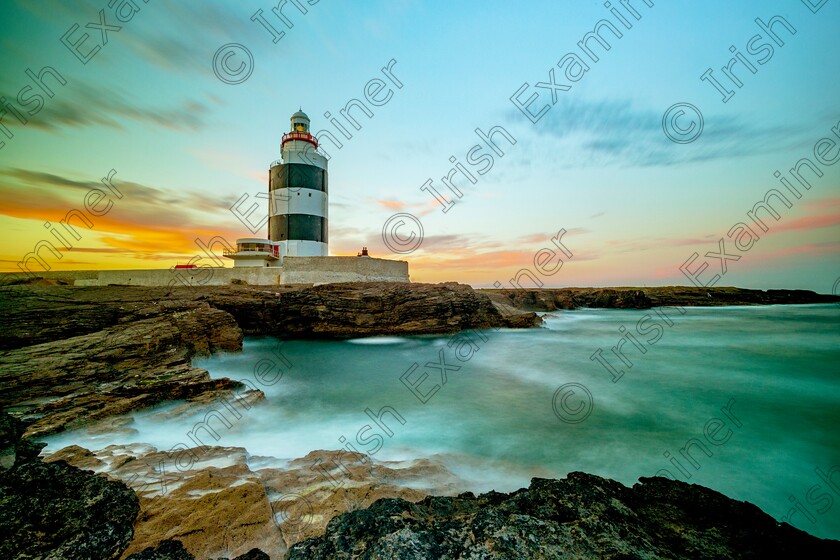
<point x="298" y="151"/>
<point x="296" y="248"/>
<point x="298" y="201"/>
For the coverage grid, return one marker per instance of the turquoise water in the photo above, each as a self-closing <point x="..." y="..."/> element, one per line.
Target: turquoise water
<point x="496" y="421"/>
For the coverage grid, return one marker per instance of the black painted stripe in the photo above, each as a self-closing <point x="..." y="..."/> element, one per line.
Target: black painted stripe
<point x="297" y="176"/>
<point x="297" y="227"/>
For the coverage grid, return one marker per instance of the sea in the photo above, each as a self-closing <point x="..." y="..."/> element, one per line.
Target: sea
<point x="743" y="400"/>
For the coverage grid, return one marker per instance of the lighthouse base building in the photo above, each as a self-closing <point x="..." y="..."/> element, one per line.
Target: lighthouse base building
<point x="309" y="271"/>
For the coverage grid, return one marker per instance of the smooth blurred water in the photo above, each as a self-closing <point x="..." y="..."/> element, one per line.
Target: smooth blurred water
<point x="494" y="425"/>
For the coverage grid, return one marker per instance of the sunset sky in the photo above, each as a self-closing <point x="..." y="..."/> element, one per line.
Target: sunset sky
<point x="636" y="206"/>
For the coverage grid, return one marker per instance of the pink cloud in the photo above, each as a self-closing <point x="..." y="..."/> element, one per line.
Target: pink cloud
<point x="391" y="204"/>
<point x="807" y="223"/>
<point x="822" y="204"/>
<point x="825" y="248"/>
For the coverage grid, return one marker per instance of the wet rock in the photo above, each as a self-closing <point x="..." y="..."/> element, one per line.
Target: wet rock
<point x="206" y="498"/>
<point x="254" y="554"/>
<point x="563" y="300"/>
<point x="550" y="299"/>
<point x="220" y="502"/>
<point x="614" y="299"/>
<point x="582" y="516"/>
<point x="14" y="448"/>
<point x="67" y="383"/>
<point x="53" y="511"/>
<point x="169" y="549"/>
<point x="11" y="431"/>
<point x="78" y="457"/>
<point x="363" y="309"/>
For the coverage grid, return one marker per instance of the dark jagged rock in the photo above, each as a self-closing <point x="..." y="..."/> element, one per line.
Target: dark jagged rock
<point x="253" y="554"/>
<point x="140" y="362"/>
<point x="53" y="511"/>
<point x="172" y="549"/>
<point x="571" y="298"/>
<point x="551" y="299"/>
<point x="14" y="448"/>
<point x="618" y="299"/>
<point x="35" y="314"/>
<point x="582" y="516"/>
<point x="166" y="550"/>
<point x="11" y="431"/>
<point x="364" y="309"/>
<point x="691" y="296"/>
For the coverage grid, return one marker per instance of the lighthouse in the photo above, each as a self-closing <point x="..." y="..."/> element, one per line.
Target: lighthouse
<point x="297" y="204"/>
<point x="298" y="194"/>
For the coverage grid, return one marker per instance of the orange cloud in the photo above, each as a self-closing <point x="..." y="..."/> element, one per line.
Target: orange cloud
<point x="145" y="224"/>
<point x="391" y="204"/>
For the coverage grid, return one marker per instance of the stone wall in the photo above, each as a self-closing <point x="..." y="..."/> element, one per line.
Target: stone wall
<point x="327" y="270"/>
<point x="295" y="270"/>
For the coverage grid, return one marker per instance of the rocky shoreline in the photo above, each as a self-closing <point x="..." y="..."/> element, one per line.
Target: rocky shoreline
<point x="552" y="299"/>
<point x="54" y="510"/>
<point x="255" y="501"/>
<point x="74" y="355"/>
<point x="580" y="516"/>
<point x="78" y="357"/>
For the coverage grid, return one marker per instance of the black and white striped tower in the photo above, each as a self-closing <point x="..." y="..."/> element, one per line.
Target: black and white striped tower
<point x="297" y="186"/>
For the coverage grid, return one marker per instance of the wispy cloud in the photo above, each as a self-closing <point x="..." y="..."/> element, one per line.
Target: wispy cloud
<point x="822" y="248"/>
<point x="391" y="204"/>
<point x="423" y="208"/>
<point x="84" y="105"/>
<point x="597" y="133"/>
<point x="544" y="237"/>
<point x="155" y="43"/>
<point x="160" y="33"/>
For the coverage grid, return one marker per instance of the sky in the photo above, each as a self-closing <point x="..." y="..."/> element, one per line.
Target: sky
<point x="183" y="105"/>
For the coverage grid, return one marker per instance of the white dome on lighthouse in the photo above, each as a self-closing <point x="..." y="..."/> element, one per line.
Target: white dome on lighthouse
<point x="300" y="122"/>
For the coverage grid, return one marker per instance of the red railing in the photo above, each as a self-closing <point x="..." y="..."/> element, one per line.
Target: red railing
<point x="305" y="136"/>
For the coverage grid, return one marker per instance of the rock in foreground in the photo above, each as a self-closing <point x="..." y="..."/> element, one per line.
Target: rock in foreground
<point x="174" y="550"/>
<point x="228" y="502"/>
<point x="582" y="516"/>
<point x="53" y="511"/>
